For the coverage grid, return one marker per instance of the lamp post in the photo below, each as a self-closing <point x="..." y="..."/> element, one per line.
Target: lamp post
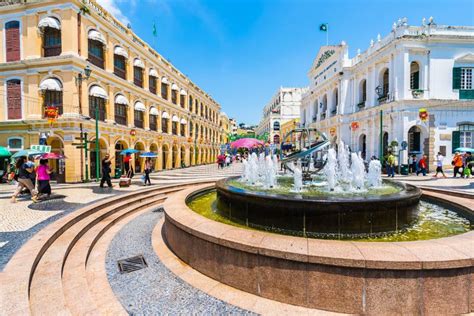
<point x="79" y="79"/>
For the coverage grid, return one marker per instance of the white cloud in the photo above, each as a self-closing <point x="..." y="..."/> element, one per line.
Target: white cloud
<point x="112" y="7"/>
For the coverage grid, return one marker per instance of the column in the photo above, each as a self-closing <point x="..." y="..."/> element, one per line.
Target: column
<point x="109" y="54"/>
<point x="110" y="105"/>
<point x="130" y="112"/>
<point x="146" y="78"/>
<point x="69" y="42"/>
<point x="158" y="123"/>
<point x="146" y="116"/>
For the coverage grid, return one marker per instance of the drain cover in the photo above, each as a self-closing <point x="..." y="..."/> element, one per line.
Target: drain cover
<point x="132" y="264"/>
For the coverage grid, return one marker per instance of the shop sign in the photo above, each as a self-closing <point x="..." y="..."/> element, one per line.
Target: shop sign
<point x="42" y="148"/>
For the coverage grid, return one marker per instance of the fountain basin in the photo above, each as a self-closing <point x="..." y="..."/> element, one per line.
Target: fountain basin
<point x="323" y="216"/>
<point x="431" y="277"/>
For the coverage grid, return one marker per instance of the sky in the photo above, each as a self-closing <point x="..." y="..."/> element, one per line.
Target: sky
<point x="242" y="51"/>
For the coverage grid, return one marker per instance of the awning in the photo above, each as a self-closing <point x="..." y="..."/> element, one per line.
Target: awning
<point x="183" y="121"/>
<point x="164" y="80"/>
<point x="119" y="50"/>
<point x="175" y="118"/>
<point x="153" y="73"/>
<point x="183" y="92"/>
<point x="174" y="86"/>
<point x="165" y="115"/>
<point x="96" y="36"/>
<point x="138" y="63"/>
<point x="154" y="111"/>
<point x="96" y="91"/>
<point x="51" y="84"/>
<point x="120" y="99"/>
<point x="49" y="22"/>
<point x="140" y="107"/>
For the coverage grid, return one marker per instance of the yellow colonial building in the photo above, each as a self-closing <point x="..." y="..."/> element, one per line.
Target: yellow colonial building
<point x="73" y="58"/>
<point x="288" y="127"/>
<point x="225" y="128"/>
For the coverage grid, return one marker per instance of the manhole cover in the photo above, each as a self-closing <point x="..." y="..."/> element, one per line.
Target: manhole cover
<point x="132" y="264"/>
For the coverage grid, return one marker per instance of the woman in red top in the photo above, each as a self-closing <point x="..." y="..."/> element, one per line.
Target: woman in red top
<point x="126" y="161"/>
<point x="422" y="166"/>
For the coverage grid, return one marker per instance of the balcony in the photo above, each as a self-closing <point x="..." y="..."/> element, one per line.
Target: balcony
<point x="120" y="73"/>
<point x="383" y="99"/>
<point x="361" y="105"/>
<point x="96" y="60"/>
<point x="417" y="93"/>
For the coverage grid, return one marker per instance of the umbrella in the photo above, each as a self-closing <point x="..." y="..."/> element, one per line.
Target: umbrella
<point x="129" y="151"/>
<point x="149" y="155"/>
<point x="246" y="143"/>
<point x="27" y="153"/>
<point x="52" y="156"/>
<point x="464" y="149"/>
<point x="4" y="152"/>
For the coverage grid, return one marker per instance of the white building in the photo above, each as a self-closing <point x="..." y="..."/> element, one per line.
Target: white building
<point x="283" y="107"/>
<point x="380" y="96"/>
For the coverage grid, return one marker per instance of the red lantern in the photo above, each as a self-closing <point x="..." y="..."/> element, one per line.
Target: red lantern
<point x="354" y="126"/>
<point x="133" y="133"/>
<point x="423" y="114"/>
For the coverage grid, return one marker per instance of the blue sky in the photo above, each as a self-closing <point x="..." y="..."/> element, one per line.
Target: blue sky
<point x="241" y="51"/>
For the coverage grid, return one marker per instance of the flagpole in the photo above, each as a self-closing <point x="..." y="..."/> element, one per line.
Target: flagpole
<point x="327" y="34"/>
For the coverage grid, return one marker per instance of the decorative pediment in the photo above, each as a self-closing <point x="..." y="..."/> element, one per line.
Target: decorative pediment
<point x="325" y="52"/>
<point x="467" y="58"/>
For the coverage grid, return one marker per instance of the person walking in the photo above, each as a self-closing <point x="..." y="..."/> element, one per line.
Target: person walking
<point x="391" y="165"/>
<point x="24" y="179"/>
<point x="439" y="165"/>
<point x="106" y="162"/>
<point x="422" y="166"/>
<point x="457" y="163"/>
<point x="468" y="164"/>
<point x="148" y="169"/>
<point x="43" y="174"/>
<point x="413" y="164"/>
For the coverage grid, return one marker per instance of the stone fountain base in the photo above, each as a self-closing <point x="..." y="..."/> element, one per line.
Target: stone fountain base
<point x="432" y="277"/>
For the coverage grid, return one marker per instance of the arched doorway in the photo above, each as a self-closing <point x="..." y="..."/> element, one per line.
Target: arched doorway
<point x="119" y="146"/>
<point x="183" y="157"/>
<point x="192" y="154"/>
<point x="93" y="154"/>
<point x="154" y="149"/>
<point x="175" y="160"/>
<point x="58" y="166"/>
<point x="385" y="143"/>
<point x="165" y="156"/>
<point x="363" y="146"/>
<point x="139" y="161"/>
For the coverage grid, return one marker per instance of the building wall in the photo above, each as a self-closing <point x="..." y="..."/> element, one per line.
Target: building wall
<point x="199" y="109"/>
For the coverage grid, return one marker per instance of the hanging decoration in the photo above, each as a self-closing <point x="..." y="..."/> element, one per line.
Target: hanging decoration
<point x="355" y="126"/>
<point x="423" y="114"/>
<point x="51" y="112"/>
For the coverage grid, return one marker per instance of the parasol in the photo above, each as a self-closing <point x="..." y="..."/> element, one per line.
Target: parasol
<point x="148" y="155"/>
<point x="246" y="143"/>
<point x="129" y="151"/>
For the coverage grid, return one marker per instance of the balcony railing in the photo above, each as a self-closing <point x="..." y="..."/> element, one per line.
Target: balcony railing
<point x="382" y="99"/>
<point x="138" y="123"/>
<point x="361" y="105"/>
<point x="95" y="60"/>
<point x="120" y="73"/>
<point x="52" y="50"/>
<point x="120" y="119"/>
<point x="417" y="93"/>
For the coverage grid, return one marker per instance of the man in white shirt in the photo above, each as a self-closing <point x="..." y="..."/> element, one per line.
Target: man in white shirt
<point x="439" y="165"/>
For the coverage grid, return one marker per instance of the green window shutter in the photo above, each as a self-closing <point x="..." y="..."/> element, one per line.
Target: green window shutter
<point x="456" y="78"/>
<point x="456" y="140"/>
<point x="466" y="94"/>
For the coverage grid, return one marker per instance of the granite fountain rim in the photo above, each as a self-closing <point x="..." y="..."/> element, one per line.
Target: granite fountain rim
<point x="443" y="253"/>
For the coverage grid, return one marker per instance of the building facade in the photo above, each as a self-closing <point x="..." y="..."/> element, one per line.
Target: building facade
<point x="139" y="98"/>
<point x="413" y="87"/>
<point x="225" y="128"/>
<point x="283" y="107"/>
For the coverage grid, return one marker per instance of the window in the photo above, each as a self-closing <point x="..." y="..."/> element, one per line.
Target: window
<point x="174" y="96"/>
<point x="120" y="66"/>
<point x="385" y="86"/>
<point x="183" y="129"/>
<point x="152" y="84"/>
<point x="96" y="53"/>
<point x="414" y="76"/>
<point x="53" y="98"/>
<point x="174" y="128"/>
<point x="12" y="40"/>
<point x="182" y="101"/>
<point x="276" y="126"/>
<point x="414" y="140"/>
<point x="153" y="125"/>
<point x="362" y="93"/>
<point x="164" y="91"/>
<point x="99" y="103"/>
<point x="164" y="125"/>
<point x="138" y="76"/>
<point x="51" y="42"/>
<point x="466" y="135"/>
<point x="121" y="114"/>
<point x="190" y="103"/>
<point x="466" y="78"/>
<point x="14" y="99"/>
<point x="138" y="118"/>
<point x="15" y="143"/>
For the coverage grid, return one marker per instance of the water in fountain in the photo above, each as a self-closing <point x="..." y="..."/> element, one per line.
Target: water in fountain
<point x="331" y="169"/>
<point x="374" y="175"/>
<point x="297" y="178"/>
<point x="358" y="171"/>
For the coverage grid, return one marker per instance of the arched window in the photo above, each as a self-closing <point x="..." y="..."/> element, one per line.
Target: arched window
<point x="276" y="126"/>
<point x="335" y="101"/>
<point x="120" y="62"/>
<point x="174" y="125"/>
<point x="121" y="109"/>
<point x="52" y="90"/>
<point x="97" y="100"/>
<point x="385" y="143"/>
<point x="12" y="41"/>
<point x="385" y="84"/>
<point x="164" y="122"/>
<point x="51" y="29"/>
<point x="174" y="93"/>
<point x="362" y="93"/>
<point x="190" y="104"/>
<point x="138" y="67"/>
<point x="414" y="76"/>
<point x="183" y="123"/>
<point x="139" y="114"/>
<point x="164" y="88"/>
<point x="324" y="106"/>
<point x="315" y="110"/>
<point x="14" y="99"/>
<point x="96" y="43"/>
<point x="153" y="118"/>
<point x="152" y="80"/>
<point x="414" y="140"/>
<point x="182" y="99"/>
<point x="363" y="145"/>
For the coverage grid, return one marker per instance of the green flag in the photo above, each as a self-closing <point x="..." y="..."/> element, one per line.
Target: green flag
<point x="323" y="27"/>
<point x="154" y="30"/>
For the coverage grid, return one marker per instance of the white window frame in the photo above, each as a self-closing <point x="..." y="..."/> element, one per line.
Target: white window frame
<point x="15" y="138"/>
<point x="466" y="78"/>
